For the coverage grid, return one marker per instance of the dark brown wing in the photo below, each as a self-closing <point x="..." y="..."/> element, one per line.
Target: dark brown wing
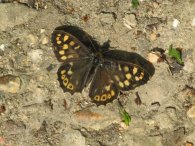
<point x="127" y="76"/>
<point x="67" y="47"/>
<point x="128" y="70"/>
<point x="74" y="75"/>
<point x="103" y="89"/>
<point x="119" y="70"/>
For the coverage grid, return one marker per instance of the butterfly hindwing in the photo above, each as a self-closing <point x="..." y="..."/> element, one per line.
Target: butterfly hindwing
<point x="67" y="47"/>
<point x="74" y="75"/>
<point x="102" y="89"/>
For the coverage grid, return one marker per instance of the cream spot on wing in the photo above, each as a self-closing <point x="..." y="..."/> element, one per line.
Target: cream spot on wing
<point x="126" y="82"/>
<point x="59" y="42"/>
<point x="63" y="77"/>
<point x="103" y="97"/>
<point x="70" y="86"/>
<point x="65" y="47"/>
<point x="136" y="78"/>
<point x="117" y="78"/>
<point x="66" y="38"/>
<point x="72" y="43"/>
<point x="112" y="93"/>
<point x="140" y="77"/>
<point x="58" y="34"/>
<point x="121" y="84"/>
<point x="63" y="72"/>
<point x="97" y="98"/>
<point x="119" y="68"/>
<point x="135" y="70"/>
<point x="109" y="96"/>
<point x="77" y="47"/>
<point x="61" y="52"/>
<point x="70" y="72"/>
<point x="126" y="68"/>
<point x="107" y="88"/>
<point x="128" y="76"/>
<point x="70" y="56"/>
<point x="63" y="58"/>
<point x="65" y="82"/>
<point x="57" y="38"/>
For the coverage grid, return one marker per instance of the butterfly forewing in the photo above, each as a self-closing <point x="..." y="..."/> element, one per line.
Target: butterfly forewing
<point x="103" y="89"/>
<point x="67" y="47"/>
<point x="73" y="76"/>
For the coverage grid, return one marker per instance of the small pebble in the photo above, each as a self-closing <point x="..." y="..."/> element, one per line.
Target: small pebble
<point x="33" y="39"/>
<point x="153" y="36"/>
<point x="191" y="112"/>
<point x="130" y="21"/>
<point x="189" y="144"/>
<point x="155" y="5"/>
<point x="87" y="115"/>
<point x="153" y="57"/>
<point x="44" y="40"/>
<point x="107" y="18"/>
<point x="189" y="65"/>
<point x="42" y="30"/>
<point x="2" y="47"/>
<point x="35" y="55"/>
<point x="10" y="84"/>
<point x="193" y="22"/>
<point x="175" y="23"/>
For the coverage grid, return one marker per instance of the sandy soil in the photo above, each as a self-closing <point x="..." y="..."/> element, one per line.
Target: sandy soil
<point x="34" y="111"/>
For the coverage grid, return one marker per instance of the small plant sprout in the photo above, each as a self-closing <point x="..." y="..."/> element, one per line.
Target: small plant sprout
<point x="176" y="54"/>
<point x="135" y="3"/>
<point x="125" y="116"/>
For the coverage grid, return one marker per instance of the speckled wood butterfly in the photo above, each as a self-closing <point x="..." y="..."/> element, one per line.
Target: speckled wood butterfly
<point x="85" y="62"/>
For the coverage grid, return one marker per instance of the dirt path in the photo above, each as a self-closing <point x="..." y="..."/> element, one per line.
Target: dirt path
<point x="35" y="111"/>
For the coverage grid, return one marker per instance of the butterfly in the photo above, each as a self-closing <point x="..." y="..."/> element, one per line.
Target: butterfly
<point x="84" y="62"/>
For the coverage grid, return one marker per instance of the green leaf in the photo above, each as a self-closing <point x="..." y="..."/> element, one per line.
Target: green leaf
<point x="125" y="116"/>
<point x="175" y="53"/>
<point x="135" y="3"/>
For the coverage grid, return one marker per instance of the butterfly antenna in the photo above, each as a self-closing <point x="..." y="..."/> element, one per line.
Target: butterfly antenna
<point x="92" y="43"/>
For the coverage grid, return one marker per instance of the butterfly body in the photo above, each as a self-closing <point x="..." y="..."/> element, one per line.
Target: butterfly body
<point x="107" y="71"/>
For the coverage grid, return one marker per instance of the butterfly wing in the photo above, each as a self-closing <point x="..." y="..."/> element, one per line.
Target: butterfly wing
<point x="67" y="47"/>
<point x="119" y="71"/>
<point x="103" y="89"/>
<point x="74" y="75"/>
<point x="128" y="70"/>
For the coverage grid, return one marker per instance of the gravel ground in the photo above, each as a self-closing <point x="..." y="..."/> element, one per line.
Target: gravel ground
<point x="34" y="111"/>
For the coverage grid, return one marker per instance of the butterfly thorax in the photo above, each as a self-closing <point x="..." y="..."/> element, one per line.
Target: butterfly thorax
<point x="98" y="58"/>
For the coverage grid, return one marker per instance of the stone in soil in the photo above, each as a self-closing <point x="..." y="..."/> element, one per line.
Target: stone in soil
<point x="10" y="83"/>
